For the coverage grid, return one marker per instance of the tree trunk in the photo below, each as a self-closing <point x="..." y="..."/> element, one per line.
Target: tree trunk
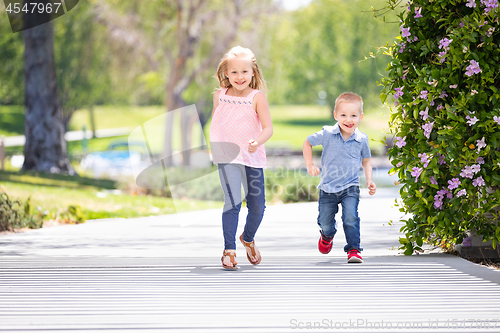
<point x="45" y="148"/>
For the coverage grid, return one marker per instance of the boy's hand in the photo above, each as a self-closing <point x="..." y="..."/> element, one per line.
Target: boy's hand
<point x="252" y="146"/>
<point x="372" y="188"/>
<point x="313" y="170"/>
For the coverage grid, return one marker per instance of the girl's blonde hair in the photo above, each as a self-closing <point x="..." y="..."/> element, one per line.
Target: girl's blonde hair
<point x="239" y="51"/>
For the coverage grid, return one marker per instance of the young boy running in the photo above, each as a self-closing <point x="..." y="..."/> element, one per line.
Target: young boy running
<point x="345" y="149"/>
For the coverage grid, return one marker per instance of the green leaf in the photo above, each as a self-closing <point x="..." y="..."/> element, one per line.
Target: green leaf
<point x="436" y="74"/>
<point x="408" y="251"/>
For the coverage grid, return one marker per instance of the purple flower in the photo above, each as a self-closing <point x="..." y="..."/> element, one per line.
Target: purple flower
<point x="418" y="12"/>
<point x="431" y="103"/>
<point x="467" y="172"/>
<point x="438" y="202"/>
<point x="424" y="158"/>
<point x="441" y="160"/>
<point x="399" y="92"/>
<point x="490" y="4"/>
<point x="440" y="107"/>
<point x="461" y="193"/>
<point x="416" y="172"/>
<point x="400" y="142"/>
<point x="400" y="164"/>
<point x="478" y="182"/>
<point x="471" y="121"/>
<point x="427" y="129"/>
<point x="490" y="32"/>
<point x="471" y="3"/>
<point x="453" y="86"/>
<point x="424" y="114"/>
<point x="496" y="119"/>
<point x="480" y="144"/>
<point x="453" y="183"/>
<point x="424" y="94"/>
<point x="443" y="43"/>
<point x="402" y="47"/>
<point x="438" y="198"/>
<point x="405" y="32"/>
<point x="444" y="192"/>
<point x="473" y="68"/>
<point x="433" y="180"/>
<point x="480" y="160"/>
<point x="443" y="94"/>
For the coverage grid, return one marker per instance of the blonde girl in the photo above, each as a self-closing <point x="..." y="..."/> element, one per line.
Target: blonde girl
<point x="241" y="124"/>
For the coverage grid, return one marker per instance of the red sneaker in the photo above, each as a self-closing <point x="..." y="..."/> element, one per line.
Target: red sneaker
<point x="325" y="244"/>
<point x="354" y="256"/>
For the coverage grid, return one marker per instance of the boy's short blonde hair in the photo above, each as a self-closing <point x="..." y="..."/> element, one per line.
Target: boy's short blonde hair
<point x="349" y="97"/>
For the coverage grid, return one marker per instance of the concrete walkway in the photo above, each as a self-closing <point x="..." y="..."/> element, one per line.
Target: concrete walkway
<point x="163" y="273"/>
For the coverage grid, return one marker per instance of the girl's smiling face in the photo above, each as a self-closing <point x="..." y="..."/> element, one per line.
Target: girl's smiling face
<point x="348" y="116"/>
<point x="240" y="73"/>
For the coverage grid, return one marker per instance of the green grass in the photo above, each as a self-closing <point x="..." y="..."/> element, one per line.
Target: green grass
<point x="56" y="192"/>
<point x="115" y="116"/>
<point x="11" y="120"/>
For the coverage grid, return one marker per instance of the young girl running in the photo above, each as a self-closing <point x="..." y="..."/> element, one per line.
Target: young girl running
<point x="241" y="124"/>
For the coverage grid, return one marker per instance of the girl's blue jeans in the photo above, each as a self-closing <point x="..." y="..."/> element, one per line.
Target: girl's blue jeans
<point x="328" y="208"/>
<point x="232" y="177"/>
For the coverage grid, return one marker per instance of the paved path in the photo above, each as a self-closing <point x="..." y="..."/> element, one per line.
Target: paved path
<point x="163" y="273"/>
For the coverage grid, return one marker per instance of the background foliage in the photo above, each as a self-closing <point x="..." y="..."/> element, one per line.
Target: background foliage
<point x="444" y="78"/>
<point x="321" y="47"/>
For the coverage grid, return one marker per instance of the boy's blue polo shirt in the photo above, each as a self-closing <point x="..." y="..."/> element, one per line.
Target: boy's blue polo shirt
<point x="340" y="160"/>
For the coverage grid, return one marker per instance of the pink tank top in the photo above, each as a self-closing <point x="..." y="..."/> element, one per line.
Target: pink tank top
<point x="234" y="123"/>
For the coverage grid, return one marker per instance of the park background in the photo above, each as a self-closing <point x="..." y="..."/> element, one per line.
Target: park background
<point x="120" y="64"/>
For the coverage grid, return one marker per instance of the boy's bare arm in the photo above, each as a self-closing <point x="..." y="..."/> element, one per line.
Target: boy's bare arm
<point x="367" y="167"/>
<point x="308" y="158"/>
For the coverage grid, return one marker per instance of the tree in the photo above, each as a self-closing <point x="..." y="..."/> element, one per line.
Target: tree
<point x="322" y="47"/>
<point x="444" y="77"/>
<point x="81" y="71"/>
<point x="45" y="148"/>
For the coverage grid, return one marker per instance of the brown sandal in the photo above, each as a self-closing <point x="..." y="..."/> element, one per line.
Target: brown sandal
<point x="232" y="257"/>
<point x="251" y="246"/>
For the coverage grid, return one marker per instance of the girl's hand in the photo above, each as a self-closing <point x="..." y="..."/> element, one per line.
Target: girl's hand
<point x="252" y="146"/>
<point x="313" y="170"/>
<point x="372" y="188"/>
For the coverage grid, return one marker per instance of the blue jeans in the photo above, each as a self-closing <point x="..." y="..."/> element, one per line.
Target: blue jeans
<point x="328" y="208"/>
<point x="232" y="177"/>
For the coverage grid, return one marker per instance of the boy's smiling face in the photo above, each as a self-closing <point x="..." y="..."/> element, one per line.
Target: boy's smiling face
<point x="348" y="116"/>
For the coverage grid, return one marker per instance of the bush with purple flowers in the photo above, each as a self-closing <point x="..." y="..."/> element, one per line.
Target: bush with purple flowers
<point x="443" y="88"/>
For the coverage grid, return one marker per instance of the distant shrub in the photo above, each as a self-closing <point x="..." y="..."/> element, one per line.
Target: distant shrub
<point x="16" y="215"/>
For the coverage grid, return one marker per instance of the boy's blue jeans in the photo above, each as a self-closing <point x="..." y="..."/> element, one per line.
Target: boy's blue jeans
<point x="232" y="177"/>
<point x="328" y="208"/>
